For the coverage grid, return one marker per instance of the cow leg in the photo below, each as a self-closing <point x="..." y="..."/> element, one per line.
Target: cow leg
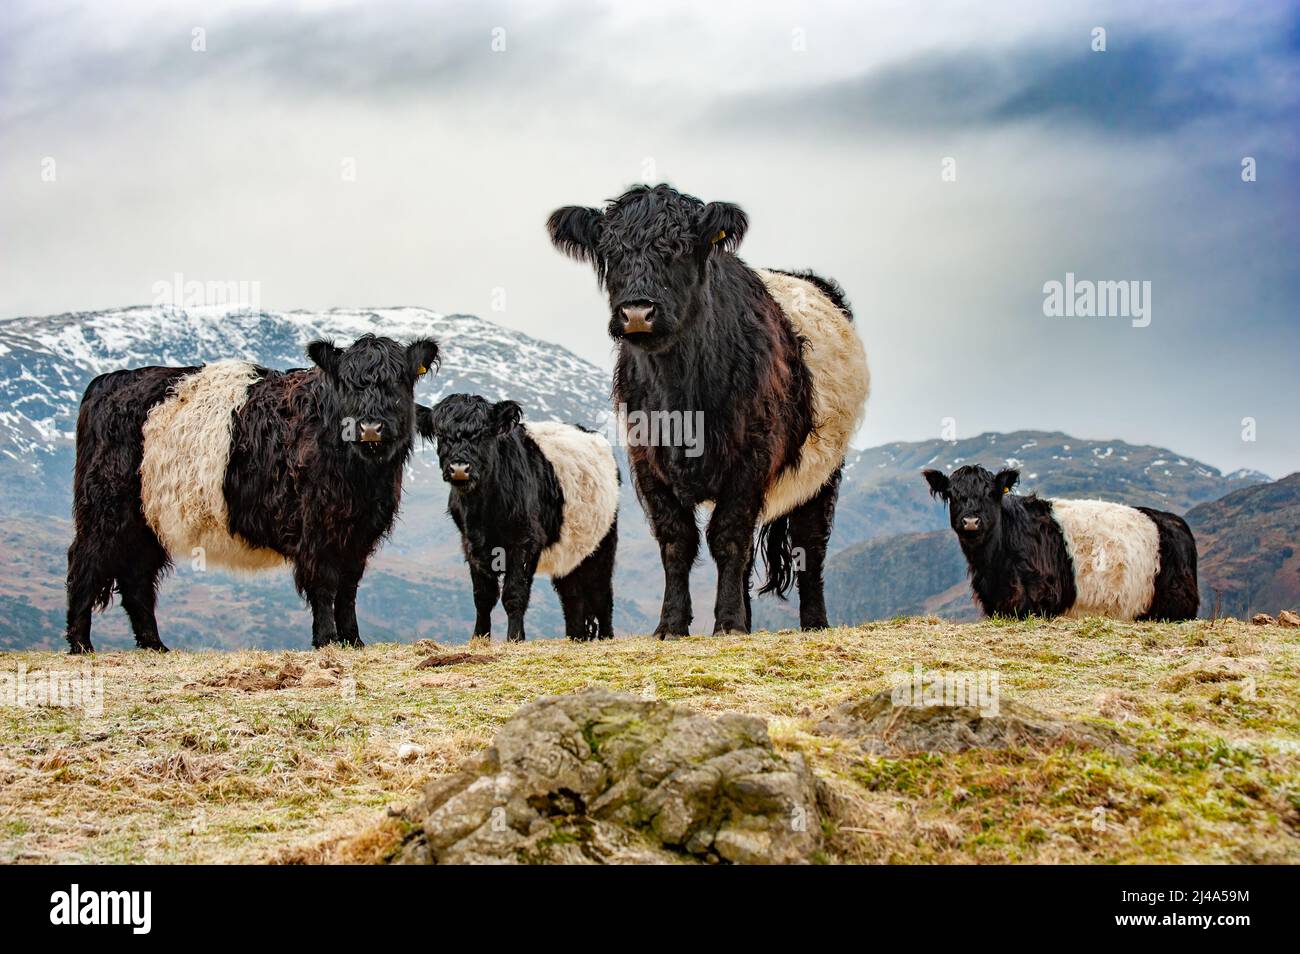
<point x="731" y="542"/>
<point x="323" y="628"/>
<point x="487" y="588"/>
<point x="605" y="612"/>
<point x="673" y="525"/>
<point x="570" y="591"/>
<point x="521" y="564"/>
<point x="320" y="588"/>
<point x="602" y="585"/>
<point x="345" y="607"/>
<point x="90" y="584"/>
<point x="749" y="576"/>
<point x="587" y="592"/>
<point x="810" y="534"/>
<point x="138" y="584"/>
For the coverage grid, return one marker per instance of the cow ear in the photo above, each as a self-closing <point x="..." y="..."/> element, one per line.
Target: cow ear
<point x="424" y="423"/>
<point x="722" y="226"/>
<point x="574" y="230"/>
<point x="325" y="355"/>
<point x="505" y="416"/>
<point x="938" y="482"/>
<point x="422" y="356"/>
<point x="1005" y="479"/>
<point x="430" y="421"/>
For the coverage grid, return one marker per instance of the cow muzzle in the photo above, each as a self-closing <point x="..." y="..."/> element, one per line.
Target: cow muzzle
<point x="371" y="433"/>
<point x="459" y="473"/>
<point x="638" y="317"/>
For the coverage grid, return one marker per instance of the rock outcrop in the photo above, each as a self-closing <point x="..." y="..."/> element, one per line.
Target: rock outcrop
<point x="604" y="777"/>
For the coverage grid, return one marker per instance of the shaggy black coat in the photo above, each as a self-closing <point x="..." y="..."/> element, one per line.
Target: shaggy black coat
<point x="1018" y="561"/>
<point x="1017" y="555"/>
<point x="299" y="482"/>
<point x="508" y="505"/>
<point x="1178" y="596"/>
<point x="698" y="331"/>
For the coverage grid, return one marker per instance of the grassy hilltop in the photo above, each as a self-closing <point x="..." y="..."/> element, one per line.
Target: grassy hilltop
<point x="257" y="756"/>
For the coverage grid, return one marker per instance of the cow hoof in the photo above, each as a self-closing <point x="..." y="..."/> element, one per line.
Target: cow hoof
<point x="81" y="649"/>
<point x="730" y="629"/>
<point x="155" y="647"/>
<point x="671" y="632"/>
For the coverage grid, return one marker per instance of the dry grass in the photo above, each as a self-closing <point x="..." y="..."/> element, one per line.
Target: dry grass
<point x="295" y="756"/>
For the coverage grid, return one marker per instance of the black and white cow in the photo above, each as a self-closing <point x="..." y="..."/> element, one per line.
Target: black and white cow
<point x="245" y="468"/>
<point x="768" y="361"/>
<point x="536" y="497"/>
<point x="1030" y="555"/>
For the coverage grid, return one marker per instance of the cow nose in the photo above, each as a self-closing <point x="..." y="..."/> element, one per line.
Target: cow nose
<point x="970" y="523"/>
<point x="638" y="317"/>
<point x="370" y="433"/>
<point x="460" y="473"/>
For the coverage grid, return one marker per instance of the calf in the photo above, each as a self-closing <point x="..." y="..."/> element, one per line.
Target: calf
<point x="529" y="498"/>
<point x="768" y="361"/>
<point x="247" y="468"/>
<point x="1034" y="556"/>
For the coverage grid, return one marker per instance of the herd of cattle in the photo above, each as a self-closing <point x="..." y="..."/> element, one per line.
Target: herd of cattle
<point x="256" y="468"/>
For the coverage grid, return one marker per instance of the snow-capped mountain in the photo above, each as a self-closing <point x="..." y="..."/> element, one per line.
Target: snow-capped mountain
<point x="46" y="363"/>
<point x="416" y="585"/>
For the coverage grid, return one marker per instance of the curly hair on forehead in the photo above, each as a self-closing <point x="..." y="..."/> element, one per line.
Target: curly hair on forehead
<point x="371" y="359"/>
<point x="971" y="477"/>
<point x="657" y="217"/>
<point x="461" y="415"/>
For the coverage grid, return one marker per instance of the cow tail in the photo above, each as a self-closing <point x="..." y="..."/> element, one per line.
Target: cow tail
<point x="778" y="557"/>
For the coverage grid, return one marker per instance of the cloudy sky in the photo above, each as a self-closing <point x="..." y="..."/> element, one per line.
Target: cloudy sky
<point x="832" y="124"/>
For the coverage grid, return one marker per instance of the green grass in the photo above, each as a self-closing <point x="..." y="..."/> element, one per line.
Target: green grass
<point x="182" y="768"/>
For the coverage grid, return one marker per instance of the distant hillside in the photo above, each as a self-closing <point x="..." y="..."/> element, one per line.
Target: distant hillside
<point x="1248" y="544"/>
<point x="1248" y="541"/>
<point x="884" y="493"/>
<point x="909" y="574"/>
<point x="887" y="557"/>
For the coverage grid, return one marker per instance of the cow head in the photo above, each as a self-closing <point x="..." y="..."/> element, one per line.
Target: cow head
<point x="651" y="249"/>
<point x="468" y="430"/>
<point x="368" y="395"/>
<point x="974" y="498"/>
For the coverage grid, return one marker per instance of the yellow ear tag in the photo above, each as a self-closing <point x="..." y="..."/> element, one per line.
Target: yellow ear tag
<point x="423" y="369"/>
<point x="719" y="237"/>
<point x="1006" y="490"/>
